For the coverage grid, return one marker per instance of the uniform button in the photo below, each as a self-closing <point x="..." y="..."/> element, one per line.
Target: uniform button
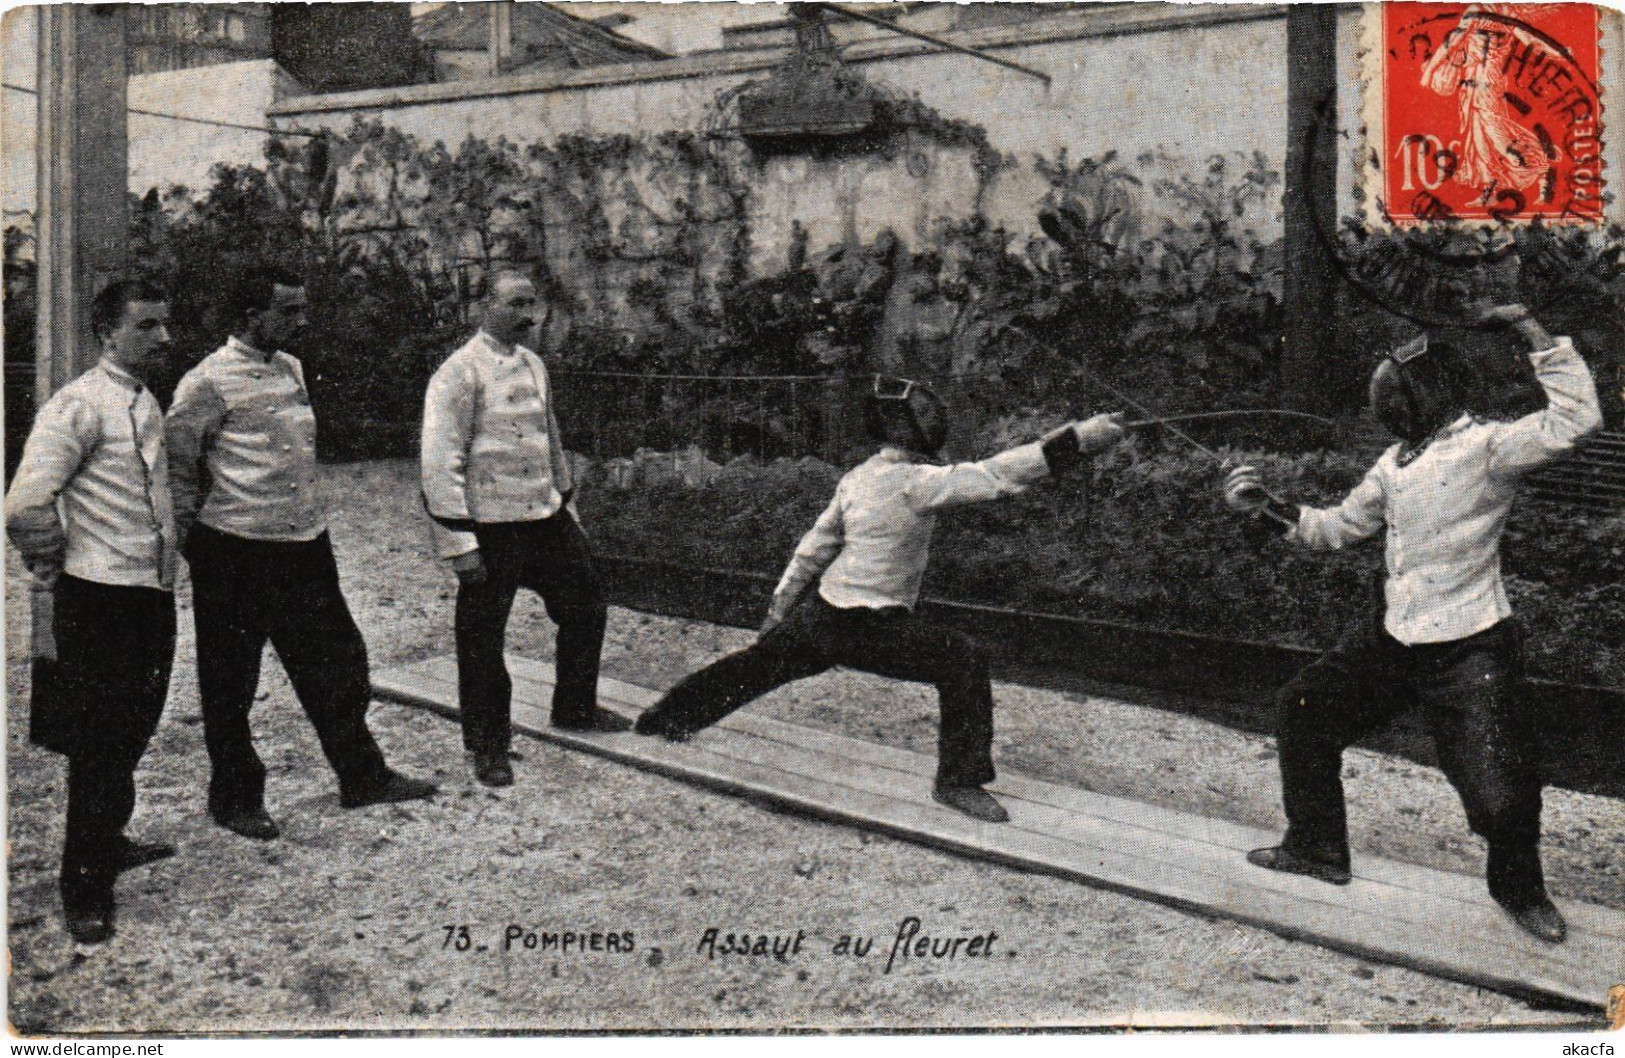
<point x="287" y="448"/>
<point x="293" y="486"/>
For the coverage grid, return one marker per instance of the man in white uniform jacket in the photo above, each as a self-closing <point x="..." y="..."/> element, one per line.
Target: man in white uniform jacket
<point x="89" y="511"/>
<point x="253" y="527"/>
<point x="847" y="597"/>
<point x="497" y="483"/>
<point x="1445" y="640"/>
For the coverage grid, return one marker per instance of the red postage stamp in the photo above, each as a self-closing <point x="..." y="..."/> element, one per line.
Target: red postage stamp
<point x="1484" y="112"/>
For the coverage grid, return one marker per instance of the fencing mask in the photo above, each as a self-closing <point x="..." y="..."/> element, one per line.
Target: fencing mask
<point x="1418" y="389"/>
<point x="906" y="413"/>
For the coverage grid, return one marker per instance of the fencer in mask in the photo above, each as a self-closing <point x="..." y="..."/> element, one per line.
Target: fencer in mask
<point x="1418" y="391"/>
<point x="1445" y="640"/>
<point x="866" y="555"/>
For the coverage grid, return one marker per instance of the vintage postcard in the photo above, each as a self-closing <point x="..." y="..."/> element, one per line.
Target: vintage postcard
<point x="575" y="517"/>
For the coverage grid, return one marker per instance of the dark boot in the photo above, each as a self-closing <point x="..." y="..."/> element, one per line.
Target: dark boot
<point x="390" y="788"/>
<point x="597" y="719"/>
<point x="1540" y="919"/>
<point x="493" y="769"/>
<point x="129" y="855"/>
<point x="1282" y="859"/>
<point x="253" y="823"/>
<point x="972" y="801"/>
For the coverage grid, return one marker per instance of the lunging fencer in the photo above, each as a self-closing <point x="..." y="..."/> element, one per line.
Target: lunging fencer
<point x="867" y="554"/>
<point x="1446" y="641"/>
<point x="497" y="482"/>
<point x="253" y="528"/>
<point x="89" y="510"/>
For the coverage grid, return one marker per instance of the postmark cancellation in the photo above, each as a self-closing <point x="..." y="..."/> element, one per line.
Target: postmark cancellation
<point x="1481" y="115"/>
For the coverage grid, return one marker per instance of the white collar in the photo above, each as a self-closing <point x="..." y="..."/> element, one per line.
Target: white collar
<point x="237" y="345"/>
<point x="120" y="374"/>
<point x="496" y="345"/>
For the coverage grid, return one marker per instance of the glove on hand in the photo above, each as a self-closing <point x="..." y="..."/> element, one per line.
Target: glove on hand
<point x="1244" y="491"/>
<point x="1099" y="432"/>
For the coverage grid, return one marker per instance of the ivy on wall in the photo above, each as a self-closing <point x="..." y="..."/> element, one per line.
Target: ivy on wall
<point x="1149" y="272"/>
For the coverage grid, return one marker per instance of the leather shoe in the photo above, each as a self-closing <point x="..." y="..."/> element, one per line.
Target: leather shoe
<point x="1540" y="919"/>
<point x="132" y="854"/>
<point x="253" y="823"/>
<point x="390" y="788"/>
<point x="650" y="723"/>
<point x="599" y="719"/>
<point x="1280" y="859"/>
<point x="89" y="926"/>
<point x="973" y="801"/>
<point x="493" y="769"/>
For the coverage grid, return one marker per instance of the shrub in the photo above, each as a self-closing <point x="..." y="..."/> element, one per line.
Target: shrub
<point x="377" y="331"/>
<point x="1147" y="541"/>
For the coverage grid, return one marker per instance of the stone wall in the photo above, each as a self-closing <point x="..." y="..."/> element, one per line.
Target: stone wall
<point x="1153" y="81"/>
<point x="162" y="152"/>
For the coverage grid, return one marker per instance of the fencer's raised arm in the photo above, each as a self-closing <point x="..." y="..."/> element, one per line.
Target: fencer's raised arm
<point x="1571" y="410"/>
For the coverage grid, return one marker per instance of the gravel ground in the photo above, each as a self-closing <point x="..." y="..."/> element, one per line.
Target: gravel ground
<point x="343" y="922"/>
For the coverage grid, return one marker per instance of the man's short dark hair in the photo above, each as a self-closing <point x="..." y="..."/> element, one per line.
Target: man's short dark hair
<point x="510" y="272"/>
<point x="250" y="289"/>
<point x="108" y="309"/>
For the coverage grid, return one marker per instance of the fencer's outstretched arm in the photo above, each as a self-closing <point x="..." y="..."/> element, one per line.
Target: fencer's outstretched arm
<point x="1360" y="516"/>
<point x="1011" y="472"/>
<point x="1571" y="410"/>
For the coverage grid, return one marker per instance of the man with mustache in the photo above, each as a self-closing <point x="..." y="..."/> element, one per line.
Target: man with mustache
<point x="497" y="483"/>
<point x="89" y="510"/>
<point x="254" y="532"/>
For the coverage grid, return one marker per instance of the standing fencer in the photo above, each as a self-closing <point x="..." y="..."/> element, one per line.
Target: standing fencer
<point x="1446" y="641"/>
<point x="242" y="449"/>
<point x="868" y="552"/>
<point x="497" y="482"/>
<point x="89" y="510"/>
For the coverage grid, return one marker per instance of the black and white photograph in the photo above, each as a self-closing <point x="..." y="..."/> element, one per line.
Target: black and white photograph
<point x="713" y="518"/>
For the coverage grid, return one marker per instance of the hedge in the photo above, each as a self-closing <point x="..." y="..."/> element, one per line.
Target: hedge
<point x="1147" y="541"/>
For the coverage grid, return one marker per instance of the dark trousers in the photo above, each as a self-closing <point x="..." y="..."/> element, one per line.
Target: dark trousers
<point x="1471" y="690"/>
<point x="551" y="558"/>
<point x="99" y="704"/>
<point x="245" y="593"/>
<point x="891" y="642"/>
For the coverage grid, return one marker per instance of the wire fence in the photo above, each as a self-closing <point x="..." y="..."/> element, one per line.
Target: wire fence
<point x="609" y="414"/>
<point x="612" y="415"/>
